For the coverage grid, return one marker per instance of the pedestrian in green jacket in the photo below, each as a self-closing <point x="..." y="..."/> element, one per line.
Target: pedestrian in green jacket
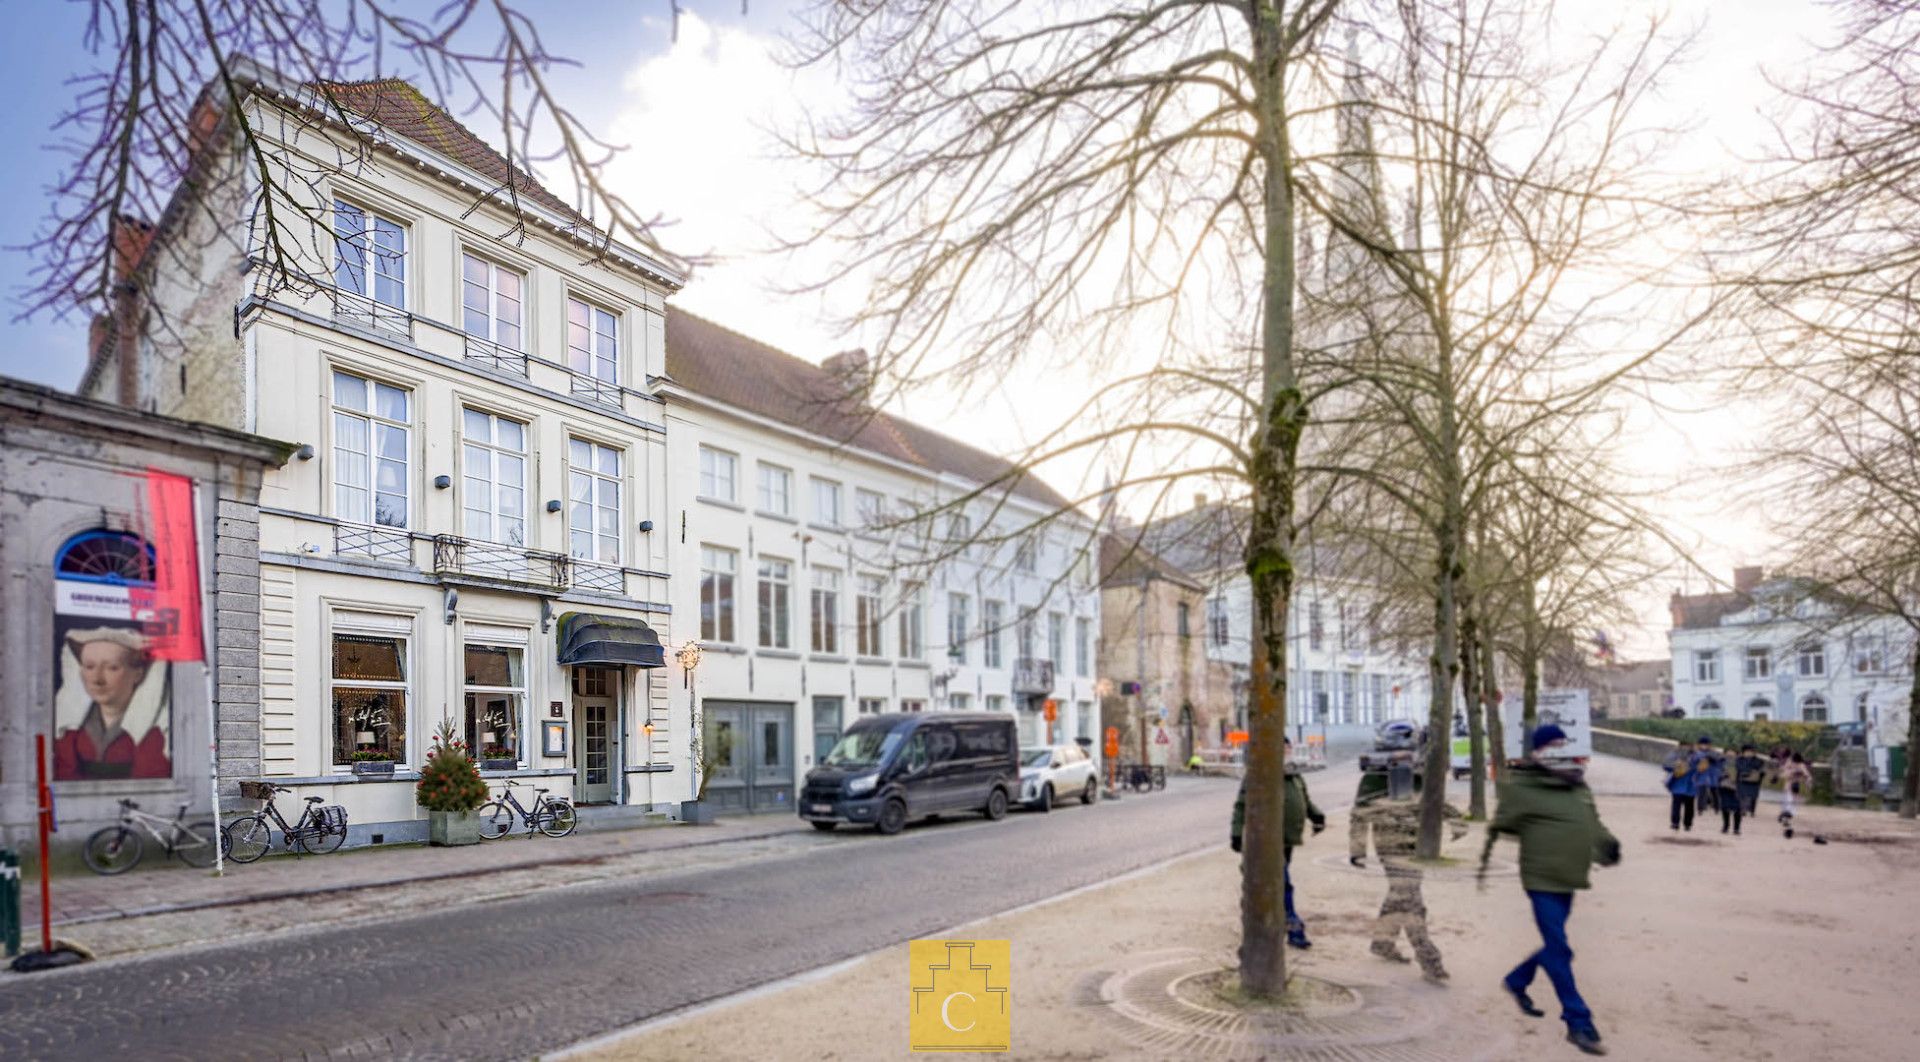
<point x="1550" y="810"/>
<point x="1299" y="808"/>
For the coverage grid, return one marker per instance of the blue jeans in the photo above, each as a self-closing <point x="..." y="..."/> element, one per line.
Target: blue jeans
<point x="1550" y="911"/>
<point x="1286" y="876"/>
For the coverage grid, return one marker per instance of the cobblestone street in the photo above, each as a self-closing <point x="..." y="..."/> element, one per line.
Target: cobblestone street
<point x="467" y="969"/>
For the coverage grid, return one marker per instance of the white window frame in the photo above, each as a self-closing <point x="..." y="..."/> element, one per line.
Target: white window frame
<point x="913" y="619"/>
<point x="1757" y="663"/>
<point x="773" y="596"/>
<point x="1706" y="665"/>
<point x="1825" y="709"/>
<point x="993" y="616"/>
<point x="719" y="594"/>
<point x="367" y="242"/>
<point x="959" y="617"/>
<point x="871" y="705"/>
<point x="827" y="489"/>
<point x="778" y="503"/>
<point x="1869" y="655"/>
<point x="497" y="301"/>
<point x="1812" y="662"/>
<point x="997" y="702"/>
<point x="1316" y="626"/>
<point x="1083" y="647"/>
<point x="372" y="421"/>
<point x="1057" y="639"/>
<point x="520" y="716"/>
<point x="601" y="355"/>
<point x="870" y="508"/>
<point x="499" y="457"/>
<point x="823" y="611"/>
<point x="1219" y="624"/>
<point x="869" y="605"/>
<point x="719" y="474"/>
<point x="371" y="627"/>
<point x="597" y="483"/>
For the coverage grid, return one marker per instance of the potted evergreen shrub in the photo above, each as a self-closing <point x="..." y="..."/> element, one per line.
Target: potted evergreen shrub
<point x="697" y="811"/>
<point x="451" y="790"/>
<point x="371" y="761"/>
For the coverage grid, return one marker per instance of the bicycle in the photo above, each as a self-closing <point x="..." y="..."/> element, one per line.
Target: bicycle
<point x="319" y="831"/>
<point x="553" y="816"/>
<point x="117" y="849"/>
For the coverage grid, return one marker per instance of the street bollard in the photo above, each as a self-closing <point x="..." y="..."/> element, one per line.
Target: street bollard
<point x="10" y="901"/>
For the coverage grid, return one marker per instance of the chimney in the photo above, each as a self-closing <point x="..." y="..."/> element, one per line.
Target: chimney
<point x="855" y="376"/>
<point x="1745" y="579"/>
<point x="1199" y="501"/>
<point x="128" y="239"/>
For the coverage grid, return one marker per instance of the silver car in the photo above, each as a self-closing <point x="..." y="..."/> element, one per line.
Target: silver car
<point x="1050" y="773"/>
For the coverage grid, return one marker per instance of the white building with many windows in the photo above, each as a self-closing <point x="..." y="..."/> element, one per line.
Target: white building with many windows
<point x="1351" y="663"/>
<point x="831" y="564"/>
<point x="467" y="534"/>
<point x="1777" y="649"/>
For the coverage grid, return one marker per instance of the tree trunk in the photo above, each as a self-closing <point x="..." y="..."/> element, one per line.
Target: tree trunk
<point x="1470" y="695"/>
<point x="1488" y="718"/>
<point x="1275" y="449"/>
<point x="1910" y="786"/>
<point x="1443" y="667"/>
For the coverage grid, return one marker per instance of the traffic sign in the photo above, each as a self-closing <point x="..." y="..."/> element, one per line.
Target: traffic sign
<point x="1160" y="737"/>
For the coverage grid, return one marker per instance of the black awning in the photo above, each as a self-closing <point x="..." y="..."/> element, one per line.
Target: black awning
<point x="590" y="639"/>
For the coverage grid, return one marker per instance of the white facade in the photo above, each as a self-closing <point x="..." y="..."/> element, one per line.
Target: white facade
<point x="1788" y="658"/>
<point x="485" y="461"/>
<point x="1344" y="667"/>
<point x="807" y="621"/>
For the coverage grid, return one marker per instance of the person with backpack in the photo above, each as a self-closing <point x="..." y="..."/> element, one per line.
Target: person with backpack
<point x="1299" y="809"/>
<point x="1749" y="771"/>
<point x="1679" y="768"/>
<point x="1550" y="810"/>
<point x="1727" y="798"/>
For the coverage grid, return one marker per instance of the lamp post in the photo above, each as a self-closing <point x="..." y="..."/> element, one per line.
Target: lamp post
<point x="689" y="659"/>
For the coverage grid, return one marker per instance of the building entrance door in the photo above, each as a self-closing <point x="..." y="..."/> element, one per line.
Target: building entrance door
<point x="750" y="750"/>
<point x="596" y="726"/>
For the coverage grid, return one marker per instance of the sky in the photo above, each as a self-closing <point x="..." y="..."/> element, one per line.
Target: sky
<point x="694" y="116"/>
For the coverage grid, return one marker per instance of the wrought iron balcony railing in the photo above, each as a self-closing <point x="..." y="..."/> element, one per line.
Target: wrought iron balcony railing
<point x="353" y="308"/>
<point x="491" y="355"/>
<point x="453" y="555"/>
<point x="1032" y="676"/>
<point x="595" y="389"/>
<point x="606" y="578"/>
<point x="379" y="543"/>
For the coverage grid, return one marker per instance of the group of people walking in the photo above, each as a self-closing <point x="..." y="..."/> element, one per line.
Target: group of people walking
<point x="1543" y="803"/>
<point x="1702" y="778"/>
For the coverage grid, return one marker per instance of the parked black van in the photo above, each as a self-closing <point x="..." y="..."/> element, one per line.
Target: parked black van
<point x="888" y="769"/>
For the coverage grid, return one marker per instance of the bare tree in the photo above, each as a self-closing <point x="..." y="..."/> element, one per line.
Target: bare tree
<point x="160" y="127"/>
<point x="1518" y="179"/>
<point x="1826" y="256"/>
<point x="1095" y="178"/>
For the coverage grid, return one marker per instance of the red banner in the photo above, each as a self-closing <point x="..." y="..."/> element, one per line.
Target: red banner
<point x="172" y="617"/>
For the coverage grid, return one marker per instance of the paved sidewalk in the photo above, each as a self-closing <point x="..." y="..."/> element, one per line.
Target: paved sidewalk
<point x="163" y="885"/>
<point x="1697" y="948"/>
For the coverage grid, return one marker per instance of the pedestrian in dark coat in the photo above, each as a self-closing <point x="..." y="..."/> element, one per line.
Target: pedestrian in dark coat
<point x="1299" y="809"/>
<point x="1679" y="768"/>
<point x="1551" y="811"/>
<point x="1727" y="798"/>
<point x="1749" y="772"/>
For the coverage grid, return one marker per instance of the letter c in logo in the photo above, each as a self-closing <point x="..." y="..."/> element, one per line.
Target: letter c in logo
<point x="946" y="1019"/>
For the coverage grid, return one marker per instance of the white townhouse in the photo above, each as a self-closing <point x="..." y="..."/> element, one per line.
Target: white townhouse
<point x="1350" y="665"/>
<point x="1776" y="648"/>
<point x="475" y="526"/>
<point x="815" y="592"/>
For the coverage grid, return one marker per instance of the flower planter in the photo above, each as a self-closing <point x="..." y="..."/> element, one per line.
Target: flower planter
<point x="697" y="812"/>
<point x="373" y="767"/>
<point x="499" y="765"/>
<point x="450" y="828"/>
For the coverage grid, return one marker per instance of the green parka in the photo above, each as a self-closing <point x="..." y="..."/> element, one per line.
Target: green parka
<point x="1553" y="816"/>
<point x="1299" y="809"/>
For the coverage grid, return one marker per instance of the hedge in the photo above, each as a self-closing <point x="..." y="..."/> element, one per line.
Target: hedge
<point x="1812" y="740"/>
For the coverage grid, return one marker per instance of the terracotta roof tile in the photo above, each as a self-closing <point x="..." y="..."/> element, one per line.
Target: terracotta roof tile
<point x="724" y="365"/>
<point x="403" y="110"/>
